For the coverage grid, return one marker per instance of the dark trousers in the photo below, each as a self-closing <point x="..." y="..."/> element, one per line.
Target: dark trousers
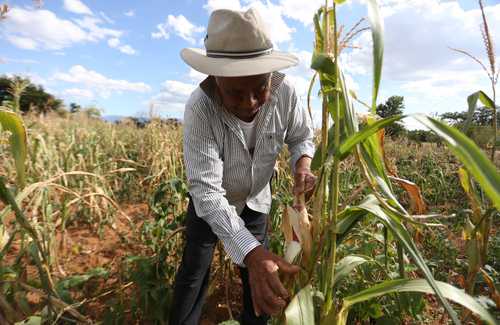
<point x="193" y="274"/>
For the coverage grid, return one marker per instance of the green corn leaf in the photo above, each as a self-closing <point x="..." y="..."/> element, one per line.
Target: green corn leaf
<point x="472" y="101"/>
<point x="339" y="2"/>
<point x="323" y="63"/>
<point x="470" y="191"/>
<point x="473" y="158"/>
<point x="395" y="225"/>
<point x="346" y="147"/>
<point x="420" y="285"/>
<point x="345" y="266"/>
<point x="316" y="161"/>
<point x="13" y="123"/>
<point x="377" y="28"/>
<point x="300" y="311"/>
<point x="347" y="219"/>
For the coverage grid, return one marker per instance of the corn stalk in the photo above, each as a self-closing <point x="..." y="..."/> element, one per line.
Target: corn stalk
<point x="343" y="139"/>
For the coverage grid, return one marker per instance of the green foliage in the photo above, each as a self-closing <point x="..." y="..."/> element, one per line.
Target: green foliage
<point x="34" y="98"/>
<point x="393" y="106"/>
<point x="482" y="116"/>
<point x="405" y="285"/>
<point x="423" y="136"/>
<point x="12" y="122"/>
<point x="64" y="286"/>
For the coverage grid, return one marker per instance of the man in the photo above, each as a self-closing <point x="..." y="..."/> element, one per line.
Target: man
<point x="235" y="125"/>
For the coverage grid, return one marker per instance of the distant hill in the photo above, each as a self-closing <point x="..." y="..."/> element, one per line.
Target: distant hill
<point x="113" y="118"/>
<point x="140" y="121"/>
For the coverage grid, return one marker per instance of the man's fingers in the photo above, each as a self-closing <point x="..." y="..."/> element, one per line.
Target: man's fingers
<point x="310" y="181"/>
<point x="276" y="285"/>
<point x="286" y="267"/>
<point x="255" y="294"/>
<point x="271" y="302"/>
<point x="299" y="183"/>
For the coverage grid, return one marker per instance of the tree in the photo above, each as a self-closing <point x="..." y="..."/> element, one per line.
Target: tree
<point x="393" y="106"/>
<point x="483" y="116"/>
<point x="74" y="108"/>
<point x="93" y="112"/>
<point x="34" y="98"/>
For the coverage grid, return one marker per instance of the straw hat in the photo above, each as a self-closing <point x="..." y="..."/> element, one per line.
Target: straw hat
<point x="237" y="44"/>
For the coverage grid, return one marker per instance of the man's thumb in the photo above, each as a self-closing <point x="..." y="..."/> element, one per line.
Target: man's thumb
<point x="287" y="267"/>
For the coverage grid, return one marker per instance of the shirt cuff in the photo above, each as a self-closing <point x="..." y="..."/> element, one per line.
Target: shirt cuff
<point x="239" y="245"/>
<point x="305" y="148"/>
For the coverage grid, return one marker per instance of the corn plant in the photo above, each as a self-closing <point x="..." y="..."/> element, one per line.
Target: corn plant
<point x="478" y="223"/>
<point x="12" y="122"/>
<point x="332" y="223"/>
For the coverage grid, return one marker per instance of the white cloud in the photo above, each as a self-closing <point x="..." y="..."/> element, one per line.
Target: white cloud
<point x="24" y="43"/>
<point x="77" y="7"/>
<point x="172" y="97"/>
<point x="20" y="61"/>
<point x="78" y="93"/>
<point x="161" y="33"/>
<point x="94" y="31"/>
<point x="212" y="5"/>
<point x="301" y="74"/>
<point x="418" y="34"/>
<point x="301" y="10"/>
<point x="129" y="13"/>
<point x="113" y="42"/>
<point x="106" y="18"/>
<point x="35" y="78"/>
<point x="98" y="83"/>
<point x="127" y="49"/>
<point x="116" y="43"/>
<point x="180" y="26"/>
<point x="42" y="30"/>
<point x="196" y="76"/>
<point x="417" y="60"/>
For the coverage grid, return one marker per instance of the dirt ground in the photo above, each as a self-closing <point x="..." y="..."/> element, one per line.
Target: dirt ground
<point x="81" y="249"/>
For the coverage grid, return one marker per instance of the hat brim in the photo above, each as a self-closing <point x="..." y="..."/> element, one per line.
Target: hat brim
<point x="226" y="67"/>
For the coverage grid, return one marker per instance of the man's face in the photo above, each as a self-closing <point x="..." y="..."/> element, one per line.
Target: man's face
<point x="243" y="96"/>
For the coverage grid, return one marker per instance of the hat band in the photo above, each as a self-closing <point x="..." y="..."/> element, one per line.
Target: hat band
<point x="239" y="55"/>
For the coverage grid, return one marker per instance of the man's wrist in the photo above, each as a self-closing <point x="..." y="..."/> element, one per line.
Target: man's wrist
<point x="249" y="258"/>
<point x="303" y="163"/>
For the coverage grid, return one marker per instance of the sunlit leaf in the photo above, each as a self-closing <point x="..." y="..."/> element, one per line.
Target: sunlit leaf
<point x="472" y="102"/>
<point x="467" y="185"/>
<point x="377" y="29"/>
<point x="13" y="123"/>
<point x="395" y="225"/>
<point x="406" y="285"/>
<point x="300" y="311"/>
<point x="345" y="266"/>
<point x="346" y="147"/>
<point x="473" y="158"/>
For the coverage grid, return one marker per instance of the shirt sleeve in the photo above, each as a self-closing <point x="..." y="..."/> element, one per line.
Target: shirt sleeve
<point x="300" y="133"/>
<point x="204" y="169"/>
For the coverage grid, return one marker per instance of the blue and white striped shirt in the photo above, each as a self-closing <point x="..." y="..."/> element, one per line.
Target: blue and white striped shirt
<point x="222" y="174"/>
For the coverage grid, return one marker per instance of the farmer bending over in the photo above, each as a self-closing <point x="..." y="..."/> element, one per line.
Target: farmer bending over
<point x="235" y="125"/>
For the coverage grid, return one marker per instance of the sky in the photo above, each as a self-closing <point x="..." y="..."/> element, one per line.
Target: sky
<point x="123" y="56"/>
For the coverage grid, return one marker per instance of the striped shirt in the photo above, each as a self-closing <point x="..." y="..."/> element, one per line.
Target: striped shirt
<point x="222" y="175"/>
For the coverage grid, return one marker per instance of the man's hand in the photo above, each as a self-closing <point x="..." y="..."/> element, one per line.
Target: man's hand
<point x="304" y="179"/>
<point x="268" y="294"/>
